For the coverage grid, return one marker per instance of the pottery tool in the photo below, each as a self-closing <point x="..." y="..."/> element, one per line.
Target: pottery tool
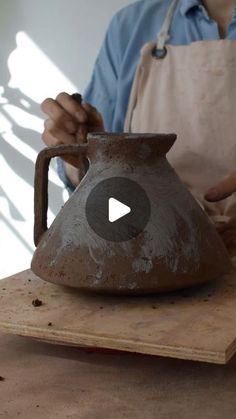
<point x="77" y="97"/>
<point x="81" y="137"/>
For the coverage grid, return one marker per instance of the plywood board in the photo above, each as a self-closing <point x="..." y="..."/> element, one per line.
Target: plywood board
<point x="197" y="324"/>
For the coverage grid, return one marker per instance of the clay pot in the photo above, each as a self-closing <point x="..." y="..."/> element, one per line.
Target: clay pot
<point x="179" y="246"/>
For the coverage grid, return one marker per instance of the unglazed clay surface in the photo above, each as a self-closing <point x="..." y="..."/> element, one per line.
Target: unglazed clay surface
<point x="178" y="248"/>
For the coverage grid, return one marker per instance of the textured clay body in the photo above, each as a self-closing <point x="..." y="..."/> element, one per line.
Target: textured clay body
<point x="178" y="248"/>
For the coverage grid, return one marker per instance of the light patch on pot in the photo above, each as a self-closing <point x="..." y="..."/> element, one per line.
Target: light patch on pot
<point x="44" y="244"/>
<point x="93" y="256"/>
<point x="99" y="274"/>
<point x="52" y="263"/>
<point x="142" y="265"/>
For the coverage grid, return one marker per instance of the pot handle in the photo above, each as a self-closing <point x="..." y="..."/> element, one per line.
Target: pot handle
<point x="41" y="182"/>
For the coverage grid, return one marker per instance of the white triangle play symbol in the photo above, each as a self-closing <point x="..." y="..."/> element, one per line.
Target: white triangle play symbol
<point x="117" y="210"/>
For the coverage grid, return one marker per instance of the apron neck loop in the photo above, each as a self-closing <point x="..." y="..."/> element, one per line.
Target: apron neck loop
<point x="163" y="36"/>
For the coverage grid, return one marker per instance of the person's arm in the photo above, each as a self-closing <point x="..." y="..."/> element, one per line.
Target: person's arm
<point x="221" y="191"/>
<point x="69" y="120"/>
<point x="68" y="123"/>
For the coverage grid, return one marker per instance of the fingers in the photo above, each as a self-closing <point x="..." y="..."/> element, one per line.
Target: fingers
<point x="94" y="117"/>
<point x="223" y="190"/>
<point x="53" y="135"/>
<point x="59" y="115"/>
<point x="72" y="107"/>
<point x="225" y="226"/>
<point x="65" y="111"/>
<point x="81" y="134"/>
<point x="229" y="239"/>
<point x="69" y="115"/>
<point x="69" y="121"/>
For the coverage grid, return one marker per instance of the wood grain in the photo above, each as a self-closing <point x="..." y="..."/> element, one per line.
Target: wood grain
<point x="51" y="381"/>
<point x="197" y="324"/>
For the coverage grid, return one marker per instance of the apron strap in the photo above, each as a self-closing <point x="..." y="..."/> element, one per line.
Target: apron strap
<point x="164" y="35"/>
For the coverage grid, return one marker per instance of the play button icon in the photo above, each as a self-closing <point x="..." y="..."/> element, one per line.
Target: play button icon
<point x="118" y="209"/>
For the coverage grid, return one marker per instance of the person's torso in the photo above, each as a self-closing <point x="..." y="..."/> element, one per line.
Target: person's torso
<point x="138" y="24"/>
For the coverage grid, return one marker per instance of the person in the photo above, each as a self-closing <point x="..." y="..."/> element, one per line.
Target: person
<point x="183" y="82"/>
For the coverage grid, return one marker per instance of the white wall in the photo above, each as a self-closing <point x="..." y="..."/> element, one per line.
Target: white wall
<point x="46" y="46"/>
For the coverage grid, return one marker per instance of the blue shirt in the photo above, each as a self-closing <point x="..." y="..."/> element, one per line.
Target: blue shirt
<point x="132" y="27"/>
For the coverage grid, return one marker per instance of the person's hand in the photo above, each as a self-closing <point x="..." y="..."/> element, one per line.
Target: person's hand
<point x="227" y="231"/>
<point x="69" y="122"/>
<point x="221" y="191"/>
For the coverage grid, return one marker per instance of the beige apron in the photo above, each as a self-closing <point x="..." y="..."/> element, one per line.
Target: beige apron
<point x="190" y="91"/>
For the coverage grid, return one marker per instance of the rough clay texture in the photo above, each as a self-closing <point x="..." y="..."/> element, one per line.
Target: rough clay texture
<point x="178" y="248"/>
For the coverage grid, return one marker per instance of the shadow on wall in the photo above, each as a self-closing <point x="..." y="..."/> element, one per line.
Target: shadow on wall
<point x="16" y="138"/>
<point x="66" y="36"/>
<point x="20" y="164"/>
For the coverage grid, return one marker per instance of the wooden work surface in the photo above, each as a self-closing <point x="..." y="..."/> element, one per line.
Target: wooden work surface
<point x="45" y="381"/>
<point x="196" y="324"/>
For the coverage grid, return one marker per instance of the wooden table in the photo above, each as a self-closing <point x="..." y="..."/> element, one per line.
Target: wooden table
<point x="44" y="381"/>
<point x="47" y="381"/>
